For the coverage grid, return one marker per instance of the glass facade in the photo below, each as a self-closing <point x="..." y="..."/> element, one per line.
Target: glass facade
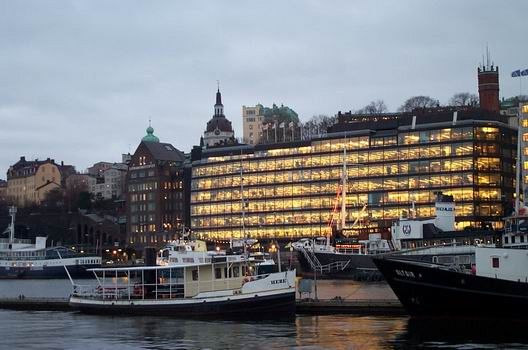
<point x="289" y="190"/>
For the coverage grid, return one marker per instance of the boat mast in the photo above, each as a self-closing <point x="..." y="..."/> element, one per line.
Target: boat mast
<point x="243" y="205"/>
<point x="518" y="163"/>
<point x="12" y="212"/>
<point x="344" y="189"/>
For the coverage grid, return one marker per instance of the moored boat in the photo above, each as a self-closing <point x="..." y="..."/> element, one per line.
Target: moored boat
<point x="20" y="258"/>
<point x="495" y="286"/>
<point x="223" y="287"/>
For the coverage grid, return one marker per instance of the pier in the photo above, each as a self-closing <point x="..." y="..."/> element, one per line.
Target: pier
<point x="35" y="304"/>
<point x="333" y="297"/>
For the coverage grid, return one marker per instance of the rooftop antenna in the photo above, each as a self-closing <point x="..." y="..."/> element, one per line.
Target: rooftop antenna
<point x="487" y="56"/>
<point x="150" y="122"/>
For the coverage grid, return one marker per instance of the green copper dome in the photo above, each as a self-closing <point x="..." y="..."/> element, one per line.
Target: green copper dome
<point x="150" y="135"/>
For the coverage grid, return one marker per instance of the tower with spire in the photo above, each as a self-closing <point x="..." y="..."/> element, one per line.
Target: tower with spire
<point x="219" y="131"/>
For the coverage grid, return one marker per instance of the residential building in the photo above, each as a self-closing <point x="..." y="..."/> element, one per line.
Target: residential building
<point x="109" y="183"/>
<point x="99" y="168"/>
<point x="28" y="182"/>
<point x="270" y="125"/>
<point x="3" y="190"/>
<point x="155" y="193"/>
<point x="252" y="121"/>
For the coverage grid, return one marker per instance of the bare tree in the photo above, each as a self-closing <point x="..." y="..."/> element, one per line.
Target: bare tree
<point x="464" y="99"/>
<point x="374" y="107"/>
<point x="418" y="102"/>
<point x="319" y="124"/>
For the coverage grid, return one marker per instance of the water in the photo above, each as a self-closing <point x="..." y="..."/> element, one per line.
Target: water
<point x="71" y="330"/>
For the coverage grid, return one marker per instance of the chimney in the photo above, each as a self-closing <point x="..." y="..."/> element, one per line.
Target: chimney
<point x="62" y="163"/>
<point x="22" y="159"/>
<point x="488" y="86"/>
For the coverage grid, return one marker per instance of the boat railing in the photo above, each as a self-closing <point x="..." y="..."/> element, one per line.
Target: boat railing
<point x="165" y="288"/>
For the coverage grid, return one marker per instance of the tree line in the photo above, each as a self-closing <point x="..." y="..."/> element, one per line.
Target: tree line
<point x="322" y="122"/>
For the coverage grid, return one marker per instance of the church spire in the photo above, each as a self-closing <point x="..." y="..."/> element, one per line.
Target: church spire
<point x="218" y="107"/>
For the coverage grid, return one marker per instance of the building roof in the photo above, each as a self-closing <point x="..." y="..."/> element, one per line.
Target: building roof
<point x="164" y="151"/>
<point x="24" y="168"/>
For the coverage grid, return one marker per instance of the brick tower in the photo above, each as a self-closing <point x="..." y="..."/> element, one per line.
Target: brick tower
<point x="488" y="86"/>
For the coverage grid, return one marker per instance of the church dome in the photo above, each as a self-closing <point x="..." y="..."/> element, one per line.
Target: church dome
<point x="219" y="122"/>
<point x="150" y="137"/>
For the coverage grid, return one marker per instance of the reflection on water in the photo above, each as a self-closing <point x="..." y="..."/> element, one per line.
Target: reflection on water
<point x="68" y="330"/>
<point x="58" y="330"/>
<point x="462" y="333"/>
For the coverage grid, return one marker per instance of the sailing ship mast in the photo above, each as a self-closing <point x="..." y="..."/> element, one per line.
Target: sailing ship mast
<point x="12" y="212"/>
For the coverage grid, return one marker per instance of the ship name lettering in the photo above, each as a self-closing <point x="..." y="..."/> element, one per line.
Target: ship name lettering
<point x="278" y="281"/>
<point x="403" y="273"/>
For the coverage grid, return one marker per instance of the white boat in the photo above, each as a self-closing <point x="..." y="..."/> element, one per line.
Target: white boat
<point x="20" y="258"/>
<point x="221" y="287"/>
<point x="188" y="251"/>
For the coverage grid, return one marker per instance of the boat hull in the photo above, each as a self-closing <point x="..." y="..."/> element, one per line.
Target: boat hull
<point x="429" y="291"/>
<point x="273" y="305"/>
<point x="48" y="272"/>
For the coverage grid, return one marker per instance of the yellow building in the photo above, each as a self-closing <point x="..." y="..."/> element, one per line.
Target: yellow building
<point x="252" y="119"/>
<point x="28" y="182"/>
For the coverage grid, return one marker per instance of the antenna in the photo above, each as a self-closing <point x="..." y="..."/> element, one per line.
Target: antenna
<point x="150" y="121"/>
<point x="218" y="84"/>
<point x="487" y="56"/>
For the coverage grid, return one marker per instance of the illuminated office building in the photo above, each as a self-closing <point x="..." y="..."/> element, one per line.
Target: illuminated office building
<point x="393" y="161"/>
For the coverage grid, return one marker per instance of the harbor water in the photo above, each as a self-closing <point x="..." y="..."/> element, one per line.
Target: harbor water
<point x="71" y="330"/>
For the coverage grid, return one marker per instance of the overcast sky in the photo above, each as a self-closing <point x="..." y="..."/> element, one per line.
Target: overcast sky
<point x="80" y="79"/>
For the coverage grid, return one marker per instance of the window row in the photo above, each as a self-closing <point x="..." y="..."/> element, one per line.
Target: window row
<point x="354" y="201"/>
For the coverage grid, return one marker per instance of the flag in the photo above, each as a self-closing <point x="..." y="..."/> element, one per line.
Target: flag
<point x="524" y="72"/>
<point x="281" y="125"/>
<point x="516" y="73"/>
<point x="290" y="125"/>
<point x="274" y="125"/>
<point x="264" y="126"/>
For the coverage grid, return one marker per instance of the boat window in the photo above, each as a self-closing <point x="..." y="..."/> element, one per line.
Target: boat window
<point x="236" y="271"/>
<point x="522" y="239"/>
<point x="495" y="262"/>
<point x="195" y="275"/>
<point x="505" y="239"/>
<point x="513" y="239"/>
<point x="225" y="272"/>
<point x="218" y="273"/>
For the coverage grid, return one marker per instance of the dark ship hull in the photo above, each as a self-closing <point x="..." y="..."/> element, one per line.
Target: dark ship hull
<point x="48" y="272"/>
<point x="278" y="306"/>
<point x="434" y="290"/>
<point x="359" y="267"/>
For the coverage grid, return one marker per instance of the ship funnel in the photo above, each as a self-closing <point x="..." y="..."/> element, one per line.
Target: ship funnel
<point x="445" y="212"/>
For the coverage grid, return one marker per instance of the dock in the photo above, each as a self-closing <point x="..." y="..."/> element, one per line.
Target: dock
<point x="35" y="304"/>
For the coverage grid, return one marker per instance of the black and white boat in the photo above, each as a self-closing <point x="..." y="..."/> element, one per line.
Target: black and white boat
<point x="223" y="287"/>
<point x="424" y="239"/>
<point x="20" y="258"/>
<point x="495" y="286"/>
